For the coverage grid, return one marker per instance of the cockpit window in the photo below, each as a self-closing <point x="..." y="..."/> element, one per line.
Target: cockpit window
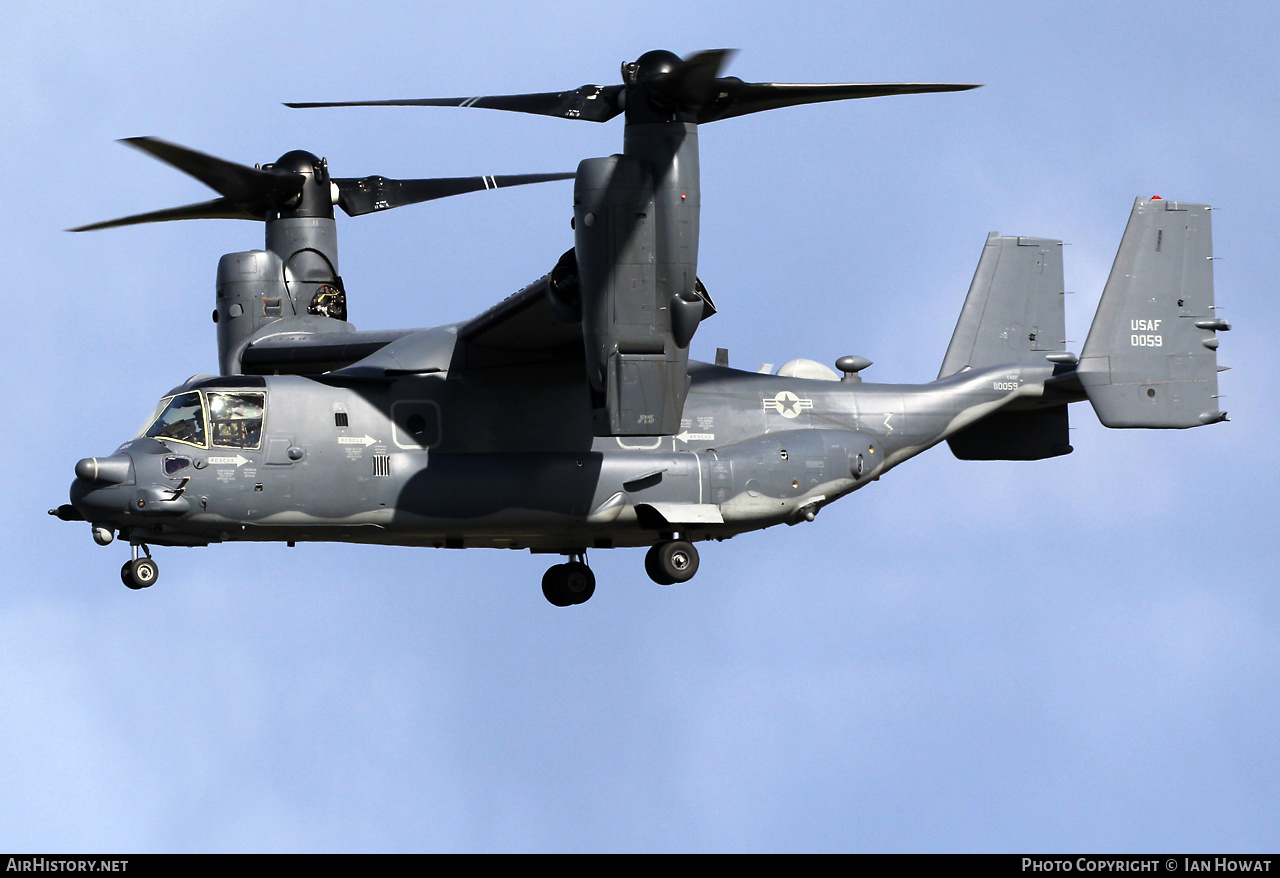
<point x="235" y="419"/>
<point x="182" y="420"/>
<point x="151" y="418"/>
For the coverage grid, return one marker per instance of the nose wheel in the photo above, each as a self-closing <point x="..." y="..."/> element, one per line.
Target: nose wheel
<point x="570" y="583"/>
<point x="140" y="572"/>
<point x="672" y="561"/>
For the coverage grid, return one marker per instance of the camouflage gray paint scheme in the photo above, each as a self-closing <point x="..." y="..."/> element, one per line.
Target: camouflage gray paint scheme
<point x="506" y="456"/>
<point x="569" y="417"/>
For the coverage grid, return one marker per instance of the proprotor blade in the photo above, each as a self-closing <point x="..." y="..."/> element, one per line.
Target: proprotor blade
<point x="247" y="193"/>
<point x="264" y="193"/>
<point x="594" y="103"/>
<point x="659" y="86"/>
<point x="368" y="194"/>
<point x="245" y="186"/>
<point x="738" y="98"/>
<point x="218" y="208"/>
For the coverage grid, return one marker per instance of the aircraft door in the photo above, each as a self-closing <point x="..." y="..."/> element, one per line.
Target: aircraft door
<point x="236" y="419"/>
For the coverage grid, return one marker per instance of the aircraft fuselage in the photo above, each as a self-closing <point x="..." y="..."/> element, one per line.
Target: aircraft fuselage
<point x="459" y="459"/>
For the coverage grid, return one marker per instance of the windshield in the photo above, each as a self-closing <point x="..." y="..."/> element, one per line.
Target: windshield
<point x="235" y="419"/>
<point x="155" y="413"/>
<point x="182" y="420"/>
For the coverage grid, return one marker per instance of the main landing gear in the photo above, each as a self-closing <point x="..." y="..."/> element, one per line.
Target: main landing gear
<point x="140" y="572"/>
<point x="569" y="583"/>
<point x="672" y="561"/>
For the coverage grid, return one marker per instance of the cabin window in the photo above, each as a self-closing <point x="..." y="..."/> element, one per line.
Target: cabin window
<point x="235" y="419"/>
<point x="415" y="424"/>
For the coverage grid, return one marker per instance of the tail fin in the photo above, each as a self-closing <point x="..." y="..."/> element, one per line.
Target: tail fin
<point x="1150" y="359"/>
<point x="1014" y="312"/>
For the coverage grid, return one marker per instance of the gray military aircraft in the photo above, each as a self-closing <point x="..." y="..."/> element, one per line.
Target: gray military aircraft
<point x="569" y="417"/>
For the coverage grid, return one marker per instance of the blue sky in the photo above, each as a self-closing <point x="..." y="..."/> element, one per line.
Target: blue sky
<point x="1074" y="654"/>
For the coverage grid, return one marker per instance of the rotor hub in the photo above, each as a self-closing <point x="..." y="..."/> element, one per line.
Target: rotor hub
<point x="650" y="66"/>
<point x="301" y="162"/>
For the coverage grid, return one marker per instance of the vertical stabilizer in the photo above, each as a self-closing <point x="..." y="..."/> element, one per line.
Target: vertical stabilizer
<point x="1014" y="310"/>
<point x="1151" y="356"/>
<point x="1013" y="315"/>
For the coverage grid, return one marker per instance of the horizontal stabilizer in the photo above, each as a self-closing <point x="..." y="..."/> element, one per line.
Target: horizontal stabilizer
<point x="1014" y="311"/>
<point x="1151" y="356"/>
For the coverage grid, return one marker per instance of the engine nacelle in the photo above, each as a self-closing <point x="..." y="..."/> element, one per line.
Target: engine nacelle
<point x="251" y="294"/>
<point x="308" y="249"/>
<point x="564" y="295"/>
<point x="297" y="275"/>
<point x="637" y="316"/>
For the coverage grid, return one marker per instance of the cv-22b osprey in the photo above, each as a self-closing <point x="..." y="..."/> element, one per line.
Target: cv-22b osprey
<point x="569" y="417"/>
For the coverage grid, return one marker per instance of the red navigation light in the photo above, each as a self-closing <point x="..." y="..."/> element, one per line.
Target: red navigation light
<point x="1156" y="198"/>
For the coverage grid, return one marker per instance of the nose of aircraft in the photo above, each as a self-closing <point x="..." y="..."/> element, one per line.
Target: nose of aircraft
<point x="113" y="470"/>
<point x="97" y="493"/>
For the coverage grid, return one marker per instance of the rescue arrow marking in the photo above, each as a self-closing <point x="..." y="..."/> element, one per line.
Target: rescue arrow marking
<point x="238" y="460"/>
<point x="686" y="436"/>
<point x="366" y="441"/>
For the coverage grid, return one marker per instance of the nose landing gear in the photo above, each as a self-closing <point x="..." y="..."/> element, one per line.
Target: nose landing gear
<point x="672" y="561"/>
<point x="570" y="583"/>
<point x="140" y="572"/>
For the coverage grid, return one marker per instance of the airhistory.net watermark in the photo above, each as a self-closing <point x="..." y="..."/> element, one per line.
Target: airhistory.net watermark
<point x="41" y="864"/>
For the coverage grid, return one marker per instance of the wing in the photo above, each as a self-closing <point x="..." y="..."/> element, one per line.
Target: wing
<point x="524" y="321"/>
<point x="294" y="351"/>
<point x="524" y="328"/>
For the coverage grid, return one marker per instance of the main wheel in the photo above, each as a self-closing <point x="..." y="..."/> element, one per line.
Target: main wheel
<point x="553" y="586"/>
<point x="567" y="584"/>
<point x="653" y="566"/>
<point x="579" y="582"/>
<point x="141" y="573"/>
<point x="672" y="562"/>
